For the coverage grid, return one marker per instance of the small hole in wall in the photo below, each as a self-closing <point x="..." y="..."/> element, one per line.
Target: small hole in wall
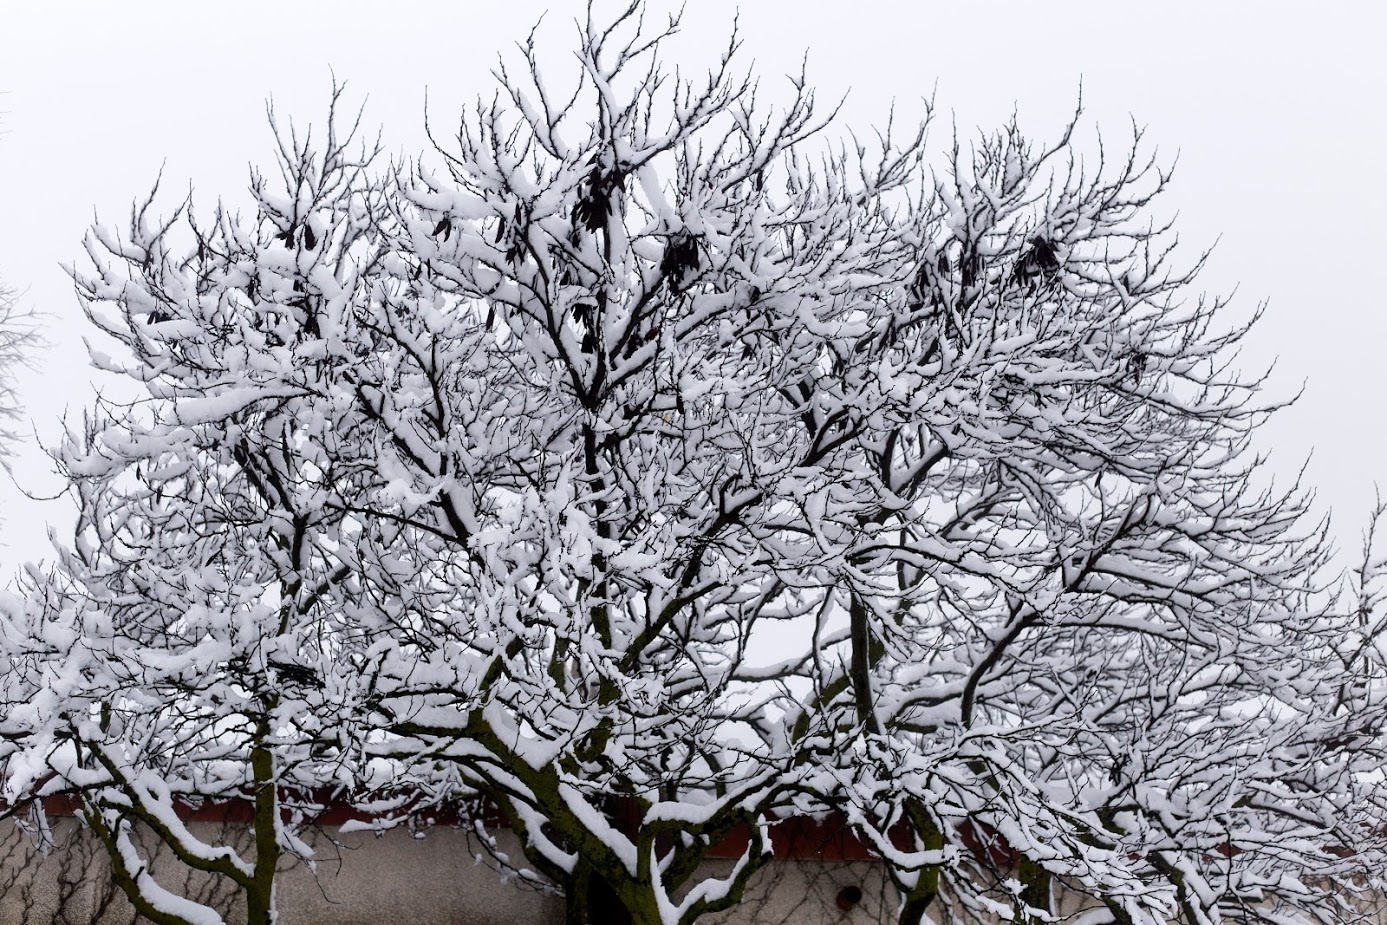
<point x="849" y="896"/>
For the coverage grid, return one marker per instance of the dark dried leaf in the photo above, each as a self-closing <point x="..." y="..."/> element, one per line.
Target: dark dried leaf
<point x="1136" y="366"/>
<point x="595" y="195"/>
<point x="679" y="262"/>
<point x="970" y="267"/>
<point x="583" y="313"/>
<point x="1037" y="263"/>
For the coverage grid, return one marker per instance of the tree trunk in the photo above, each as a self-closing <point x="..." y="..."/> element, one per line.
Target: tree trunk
<point x="1035" y="887"/>
<point x="575" y="896"/>
<point x="260" y="894"/>
<point x="589" y="900"/>
<point x="605" y="907"/>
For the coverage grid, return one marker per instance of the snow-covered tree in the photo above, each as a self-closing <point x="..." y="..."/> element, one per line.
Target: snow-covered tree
<point x="659" y="468"/>
<point x="1081" y="644"/>
<point x="779" y="476"/>
<point x="197" y="640"/>
<point x="18" y="336"/>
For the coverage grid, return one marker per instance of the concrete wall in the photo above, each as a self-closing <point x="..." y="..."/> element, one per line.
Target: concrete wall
<point x="362" y="879"/>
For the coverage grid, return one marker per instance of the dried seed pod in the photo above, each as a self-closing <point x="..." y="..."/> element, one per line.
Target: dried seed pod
<point x="679" y="262"/>
<point x="595" y="195"/>
<point x="583" y="316"/>
<point x="1037" y="263"/>
<point x="970" y="266"/>
<point x="1136" y="366"/>
<point x="516" y="232"/>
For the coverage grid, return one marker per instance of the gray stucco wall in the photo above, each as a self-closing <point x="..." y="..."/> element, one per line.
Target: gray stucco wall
<point x="362" y="879"/>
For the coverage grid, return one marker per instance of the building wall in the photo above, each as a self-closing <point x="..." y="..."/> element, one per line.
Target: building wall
<point x="363" y="879"/>
<point x="435" y="879"/>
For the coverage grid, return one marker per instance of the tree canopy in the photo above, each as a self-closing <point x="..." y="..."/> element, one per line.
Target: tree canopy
<point x="656" y="467"/>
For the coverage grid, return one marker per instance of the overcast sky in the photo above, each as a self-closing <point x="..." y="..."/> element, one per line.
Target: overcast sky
<point x="1275" y="109"/>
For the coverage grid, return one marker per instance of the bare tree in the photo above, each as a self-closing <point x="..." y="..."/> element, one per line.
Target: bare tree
<point x="18" y="338"/>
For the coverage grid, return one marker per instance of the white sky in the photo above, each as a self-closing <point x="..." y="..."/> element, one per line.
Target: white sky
<point x="1276" y="110"/>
